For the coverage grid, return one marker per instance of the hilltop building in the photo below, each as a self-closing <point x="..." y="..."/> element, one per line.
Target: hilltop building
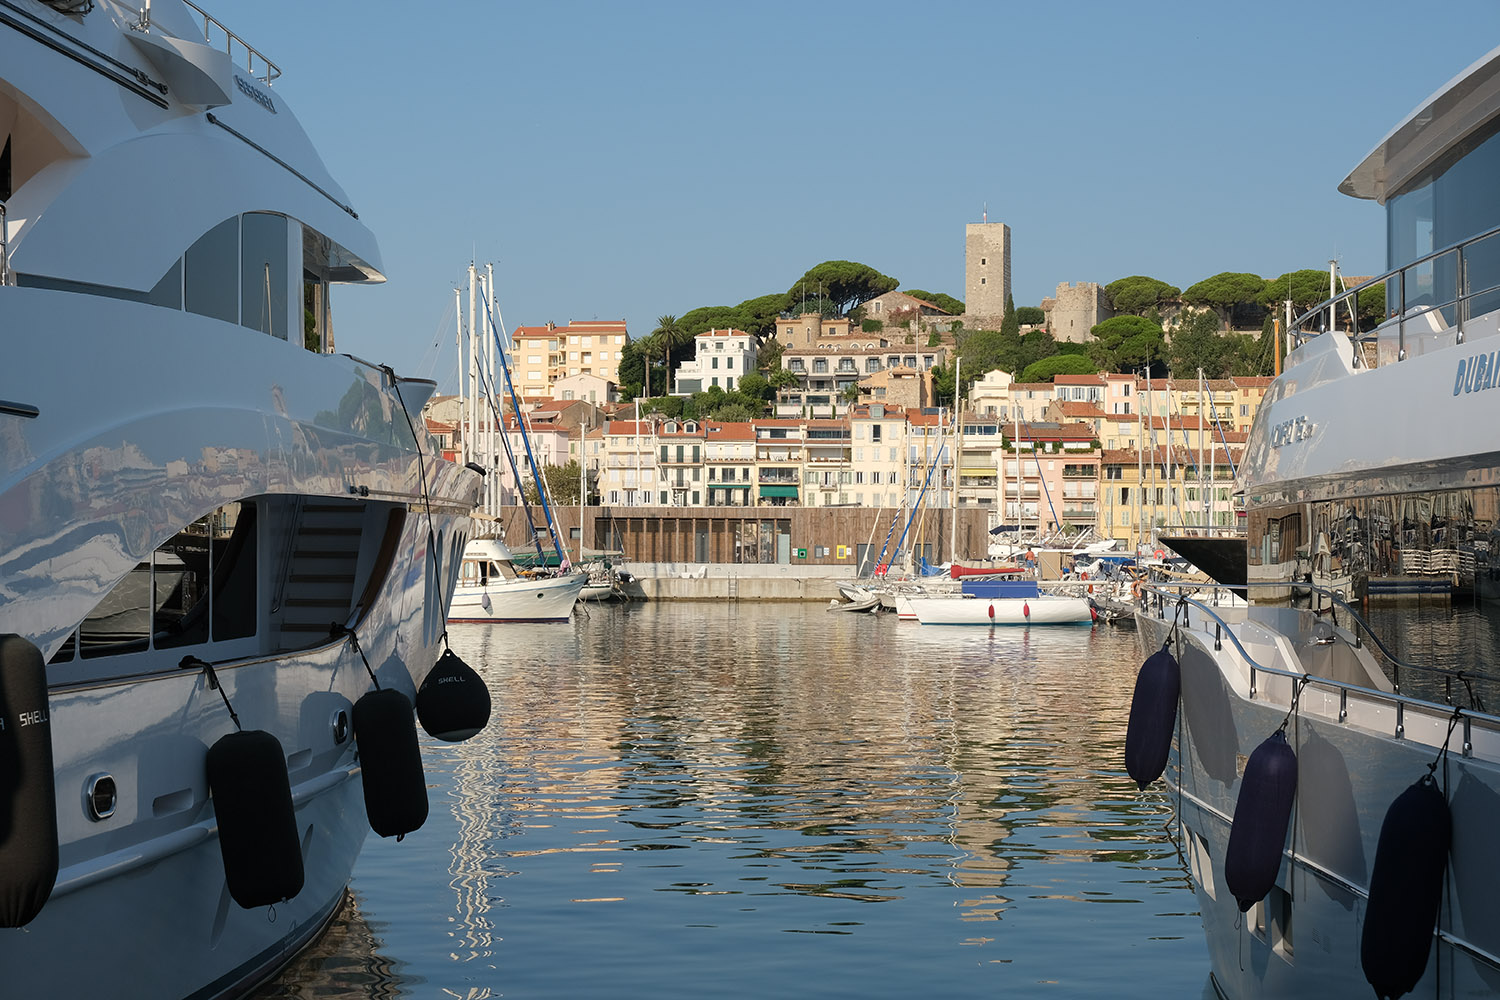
<point x="722" y="358"/>
<point x="1075" y="310"/>
<point x="986" y="273"/>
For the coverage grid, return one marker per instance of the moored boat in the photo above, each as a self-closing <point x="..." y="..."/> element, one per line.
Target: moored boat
<point x="219" y="538"/>
<point x="491" y="589"/>
<point x="1337" y="800"/>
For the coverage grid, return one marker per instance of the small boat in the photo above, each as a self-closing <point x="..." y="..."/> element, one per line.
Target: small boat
<point x="856" y="598"/>
<point x="1044" y="609"/>
<point x="491" y="588"/>
<point x="1336" y="783"/>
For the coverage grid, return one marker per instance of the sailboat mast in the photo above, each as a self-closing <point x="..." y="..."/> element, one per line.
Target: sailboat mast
<point x="1200" y="450"/>
<point x="473" y="431"/>
<point x="458" y="323"/>
<point x="491" y="461"/>
<point x="958" y="453"/>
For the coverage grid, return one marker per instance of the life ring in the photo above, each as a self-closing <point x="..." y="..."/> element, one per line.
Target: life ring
<point x="1135" y="589"/>
<point x="1160" y="554"/>
<point x="1084" y="576"/>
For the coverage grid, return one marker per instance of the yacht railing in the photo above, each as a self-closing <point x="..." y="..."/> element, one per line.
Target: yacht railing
<point x="1431" y="302"/>
<point x="1167" y="595"/>
<point x="4" y="249"/>
<point x="269" y="71"/>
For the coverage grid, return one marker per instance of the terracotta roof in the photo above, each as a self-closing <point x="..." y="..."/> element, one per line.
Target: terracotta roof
<point x="1078" y="409"/>
<point x="735" y="430"/>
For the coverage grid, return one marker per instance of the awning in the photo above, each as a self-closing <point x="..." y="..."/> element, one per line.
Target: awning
<point x="729" y="486"/>
<point x="778" y="491"/>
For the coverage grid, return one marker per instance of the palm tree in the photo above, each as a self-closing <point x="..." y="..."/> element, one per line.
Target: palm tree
<point x="672" y="335"/>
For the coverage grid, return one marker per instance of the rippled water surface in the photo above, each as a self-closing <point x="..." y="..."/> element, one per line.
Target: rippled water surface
<point x="739" y="800"/>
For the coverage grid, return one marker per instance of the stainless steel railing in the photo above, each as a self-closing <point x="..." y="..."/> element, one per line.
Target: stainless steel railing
<point x="4" y="249"/>
<point x="269" y="71"/>
<point x="1437" y="294"/>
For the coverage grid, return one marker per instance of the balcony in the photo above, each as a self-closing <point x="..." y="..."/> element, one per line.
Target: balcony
<point x="778" y="477"/>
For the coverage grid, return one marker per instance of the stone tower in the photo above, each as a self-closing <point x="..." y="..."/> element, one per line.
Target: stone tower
<point x="986" y="270"/>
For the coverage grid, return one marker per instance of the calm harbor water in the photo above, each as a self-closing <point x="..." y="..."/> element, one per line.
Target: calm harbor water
<point x="739" y="800"/>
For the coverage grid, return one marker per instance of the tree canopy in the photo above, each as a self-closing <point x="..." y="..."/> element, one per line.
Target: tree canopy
<point x="1030" y="315"/>
<point x="562" y="484"/>
<point x="1224" y="291"/>
<point x="755" y="316"/>
<point x="1306" y="288"/>
<point x="1059" y="364"/>
<point x="841" y="284"/>
<point x="947" y="303"/>
<point x="1197" y="345"/>
<point x="1126" y="343"/>
<point x="1137" y="293"/>
<point x="1011" y="323"/>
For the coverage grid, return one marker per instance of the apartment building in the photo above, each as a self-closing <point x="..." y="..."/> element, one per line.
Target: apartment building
<point x="541" y="355"/>
<point x="721" y="358"/>
<point x="729" y="456"/>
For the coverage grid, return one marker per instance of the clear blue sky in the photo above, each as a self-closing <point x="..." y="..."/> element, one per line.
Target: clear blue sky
<point x="630" y="159"/>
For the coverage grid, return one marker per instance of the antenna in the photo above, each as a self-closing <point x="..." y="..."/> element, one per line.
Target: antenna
<point x="984" y="214"/>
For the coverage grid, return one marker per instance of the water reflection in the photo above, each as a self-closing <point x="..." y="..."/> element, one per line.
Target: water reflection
<point x="940" y="800"/>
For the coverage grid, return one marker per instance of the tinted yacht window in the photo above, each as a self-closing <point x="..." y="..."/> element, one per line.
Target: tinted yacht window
<point x="211" y="273"/>
<point x="263" y="273"/>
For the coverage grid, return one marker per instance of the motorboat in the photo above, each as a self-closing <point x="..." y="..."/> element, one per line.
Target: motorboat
<point x="1336" y="794"/>
<point x="492" y="589"/>
<point x="218" y="536"/>
<point x="1002" y="602"/>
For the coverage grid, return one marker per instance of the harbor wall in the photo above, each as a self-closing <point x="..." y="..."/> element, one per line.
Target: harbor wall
<point x="752" y="553"/>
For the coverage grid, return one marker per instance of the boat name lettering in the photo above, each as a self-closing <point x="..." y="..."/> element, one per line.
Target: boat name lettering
<point x="33" y="718"/>
<point x="255" y="94"/>
<point x="1291" y="431"/>
<point x="1477" y="373"/>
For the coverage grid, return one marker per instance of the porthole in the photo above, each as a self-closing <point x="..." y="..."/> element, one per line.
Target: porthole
<point x="100" y="796"/>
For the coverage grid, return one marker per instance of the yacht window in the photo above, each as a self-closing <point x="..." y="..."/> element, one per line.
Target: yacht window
<point x="168" y="291"/>
<point x="263" y="273"/>
<point x="232" y="530"/>
<point x="211" y="273"/>
<point x="165" y="601"/>
<point x="180" y="570"/>
<point x="314" y="312"/>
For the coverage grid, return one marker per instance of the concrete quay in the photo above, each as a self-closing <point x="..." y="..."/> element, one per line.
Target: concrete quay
<point x="734" y="581"/>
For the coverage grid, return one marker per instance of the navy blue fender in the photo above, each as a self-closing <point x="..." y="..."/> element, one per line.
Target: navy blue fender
<point x="1153" y="717"/>
<point x="1261" y="814"/>
<point x="1406" y="889"/>
<point x="28" y="795"/>
<point x="453" y="702"/>
<point x="390" y="763"/>
<point x="257" y="826"/>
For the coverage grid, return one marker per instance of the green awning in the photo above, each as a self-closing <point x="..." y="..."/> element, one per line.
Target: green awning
<point x="729" y="486"/>
<point x="778" y="491"/>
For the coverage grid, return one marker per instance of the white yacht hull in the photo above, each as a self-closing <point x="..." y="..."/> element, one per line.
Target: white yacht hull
<point x="1044" y="610"/>
<point x="1303" y="941"/>
<point x="141" y="906"/>
<point x="542" y="599"/>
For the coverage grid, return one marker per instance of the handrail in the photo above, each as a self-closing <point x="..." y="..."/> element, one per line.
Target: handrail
<point x="1364" y="627"/>
<point x="271" y="72"/>
<point x="1350" y="298"/>
<point x="1399" y="700"/>
<point x="4" y="249"/>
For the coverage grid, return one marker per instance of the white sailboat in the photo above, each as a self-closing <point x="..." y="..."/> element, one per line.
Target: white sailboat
<point x="490" y="586"/>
